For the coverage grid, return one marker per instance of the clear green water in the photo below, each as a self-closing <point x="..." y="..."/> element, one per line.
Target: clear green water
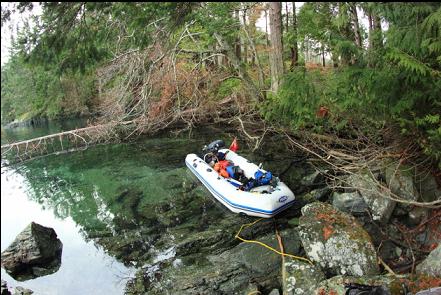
<point x="84" y="193"/>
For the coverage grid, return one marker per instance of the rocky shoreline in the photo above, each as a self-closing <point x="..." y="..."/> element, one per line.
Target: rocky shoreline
<point x="345" y="234"/>
<point x="187" y="245"/>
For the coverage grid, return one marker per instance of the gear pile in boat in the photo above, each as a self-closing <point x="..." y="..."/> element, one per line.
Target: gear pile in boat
<point x="227" y="169"/>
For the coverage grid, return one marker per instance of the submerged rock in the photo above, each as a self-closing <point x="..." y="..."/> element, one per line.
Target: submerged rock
<point x="432" y="264"/>
<point x="258" y="259"/>
<point x="336" y="241"/>
<point x="35" y="252"/>
<point x="210" y="261"/>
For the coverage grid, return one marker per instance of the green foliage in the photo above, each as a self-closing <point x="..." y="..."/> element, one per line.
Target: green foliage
<point x="429" y="138"/>
<point x="402" y="85"/>
<point x="295" y="102"/>
<point x="218" y="17"/>
<point x="414" y="49"/>
<point x="35" y="91"/>
<point x="394" y="77"/>
<point x="353" y="95"/>
<point x="228" y="87"/>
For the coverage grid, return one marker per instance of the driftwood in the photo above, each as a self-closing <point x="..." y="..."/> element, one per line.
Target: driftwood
<point x="66" y="141"/>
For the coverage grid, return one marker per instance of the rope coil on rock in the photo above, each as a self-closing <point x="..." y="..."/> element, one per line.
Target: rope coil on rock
<point x="265" y="245"/>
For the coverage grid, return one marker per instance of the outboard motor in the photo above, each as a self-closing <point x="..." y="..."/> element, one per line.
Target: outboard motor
<point x="214" y="146"/>
<point x="210" y="152"/>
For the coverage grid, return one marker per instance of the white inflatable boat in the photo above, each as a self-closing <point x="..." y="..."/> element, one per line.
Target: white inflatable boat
<point x="263" y="201"/>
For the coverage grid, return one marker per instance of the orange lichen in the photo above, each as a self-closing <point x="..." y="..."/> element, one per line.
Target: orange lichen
<point x="419" y="283"/>
<point x="327" y="231"/>
<point x="326" y="217"/>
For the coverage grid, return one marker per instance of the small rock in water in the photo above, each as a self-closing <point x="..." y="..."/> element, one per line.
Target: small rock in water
<point x="35" y="252"/>
<point x="22" y="291"/>
<point x="4" y="288"/>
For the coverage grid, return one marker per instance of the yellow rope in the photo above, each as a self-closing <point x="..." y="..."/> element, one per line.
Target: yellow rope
<point x="265" y="245"/>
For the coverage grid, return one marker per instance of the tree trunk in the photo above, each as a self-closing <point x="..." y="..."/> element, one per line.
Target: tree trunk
<point x="252" y="16"/>
<point x="370" y="60"/>
<point x="276" y="51"/>
<point x="306" y="45"/>
<point x="378" y="34"/>
<point x="294" y="48"/>
<point x="255" y="57"/>
<point x="371" y="29"/>
<point x="237" y="41"/>
<point x="323" y="56"/>
<point x="346" y="31"/>
<point x="266" y="27"/>
<point x="287" y="17"/>
<point x="334" y="58"/>
<point x="245" y="45"/>
<point x="241" y="71"/>
<point x="354" y="16"/>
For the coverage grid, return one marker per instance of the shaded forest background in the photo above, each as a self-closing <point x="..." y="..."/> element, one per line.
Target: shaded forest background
<point x="313" y="68"/>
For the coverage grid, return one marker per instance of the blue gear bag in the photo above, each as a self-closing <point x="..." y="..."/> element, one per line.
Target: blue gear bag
<point x="263" y="178"/>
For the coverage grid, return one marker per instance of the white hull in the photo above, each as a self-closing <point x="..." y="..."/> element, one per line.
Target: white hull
<point x="262" y="201"/>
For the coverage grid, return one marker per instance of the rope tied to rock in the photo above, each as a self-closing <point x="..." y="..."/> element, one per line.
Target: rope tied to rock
<point x="237" y="236"/>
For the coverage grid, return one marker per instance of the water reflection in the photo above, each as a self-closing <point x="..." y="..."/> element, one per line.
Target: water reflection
<point x="85" y="267"/>
<point x="100" y="203"/>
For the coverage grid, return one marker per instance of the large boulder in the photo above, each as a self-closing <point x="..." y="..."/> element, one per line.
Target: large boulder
<point x="428" y="186"/>
<point x="336" y="241"/>
<point x="319" y="194"/>
<point x="35" y="252"/>
<point x="432" y="264"/>
<point x="351" y="203"/>
<point x="400" y="182"/>
<point x="301" y="277"/>
<point x="381" y="206"/>
<point x="316" y="178"/>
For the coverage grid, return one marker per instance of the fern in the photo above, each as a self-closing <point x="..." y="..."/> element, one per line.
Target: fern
<point x="409" y="63"/>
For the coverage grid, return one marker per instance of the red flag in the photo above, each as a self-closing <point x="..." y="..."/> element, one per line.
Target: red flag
<point x="234" y="146"/>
